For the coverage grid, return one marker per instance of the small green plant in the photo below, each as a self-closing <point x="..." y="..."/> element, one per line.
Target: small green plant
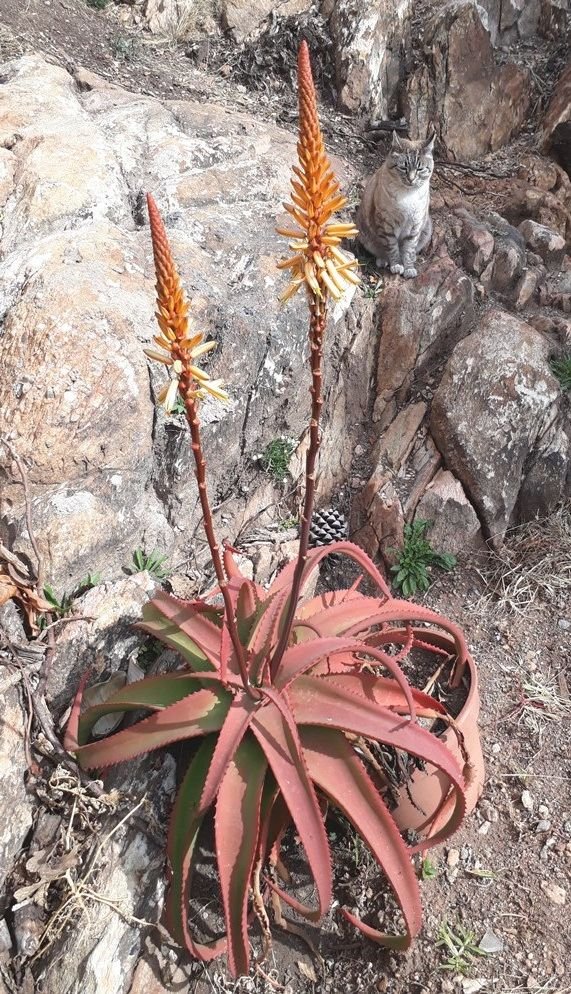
<point x="152" y="562"/>
<point x="123" y="48"/>
<point x="178" y="407"/>
<point x="59" y="605"/>
<point x="287" y="523"/>
<point x="428" y="869"/>
<point x="412" y="571"/>
<point x="276" y="457"/>
<point x="461" y="947"/>
<point x="97" y="4"/>
<point x="562" y="370"/>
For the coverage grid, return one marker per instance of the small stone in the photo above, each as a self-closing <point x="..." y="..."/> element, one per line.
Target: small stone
<point x="555" y="893"/>
<point x="544" y="242"/>
<point x="447" y="987"/>
<point x="484" y="828"/>
<point x="564" y="624"/>
<point x="472" y="986"/>
<point x="543" y="811"/>
<point x="453" y="857"/>
<point x="543" y="826"/>
<point x="491" y="943"/>
<point x="489" y="812"/>
<point x="527" y="800"/>
<point x="496" y="748"/>
<point x="531" y="983"/>
<point x="567" y="827"/>
<point x="5" y="937"/>
<point x="359" y="450"/>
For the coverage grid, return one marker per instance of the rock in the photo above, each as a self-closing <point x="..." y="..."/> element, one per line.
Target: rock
<point x="555" y="893"/>
<point x="496" y="402"/>
<point x="509" y="260"/>
<point x="474" y="104"/>
<point x="108" y="472"/>
<point x="454" y="523"/>
<point x="542" y="826"/>
<point x="102" y="645"/>
<point x="510" y="21"/>
<point x="419" y="320"/>
<point x="387" y="521"/>
<point x="5" y="938"/>
<point x="526" y="287"/>
<point x="527" y="800"/>
<point x="477" y="243"/>
<point x="473" y="984"/>
<point x="491" y="943"/>
<point x="558" y="109"/>
<point x="547" y="474"/>
<point x="369" y="43"/>
<point x="180" y="19"/>
<point x="16" y="805"/>
<point x="129" y="873"/>
<point x="394" y="446"/>
<point x="453" y="857"/>
<point x="244" y="18"/>
<point x="544" y="242"/>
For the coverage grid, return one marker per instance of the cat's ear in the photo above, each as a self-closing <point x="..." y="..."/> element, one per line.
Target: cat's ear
<point x="428" y="146"/>
<point x="397" y="142"/>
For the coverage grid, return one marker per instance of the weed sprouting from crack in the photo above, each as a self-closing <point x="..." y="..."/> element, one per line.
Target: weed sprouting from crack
<point x="460" y="943"/>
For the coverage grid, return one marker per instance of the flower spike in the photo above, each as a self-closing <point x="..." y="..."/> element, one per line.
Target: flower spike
<point x="315" y="197"/>
<point x="180" y="348"/>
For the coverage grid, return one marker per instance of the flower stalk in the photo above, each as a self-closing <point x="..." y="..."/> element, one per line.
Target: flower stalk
<point x="179" y="351"/>
<point x="320" y="265"/>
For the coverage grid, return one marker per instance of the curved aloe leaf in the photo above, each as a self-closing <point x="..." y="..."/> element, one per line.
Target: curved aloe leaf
<point x="199" y="713"/>
<point x="279" y="740"/>
<point x="155" y="693"/>
<point x="383" y="690"/>
<point x="299" y="658"/>
<point x="341" y="618"/>
<point x="183" y="832"/>
<point x="237" y="826"/>
<point x="186" y="627"/>
<point x="314" y="557"/>
<point x="236" y="721"/>
<point x="336" y="769"/>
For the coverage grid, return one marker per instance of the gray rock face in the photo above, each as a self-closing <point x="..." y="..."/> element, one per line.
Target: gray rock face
<point x="496" y="406"/>
<point x="474" y="104"/>
<point x="419" y="319"/>
<point x="16" y="805"/>
<point x="544" y="242"/>
<point x="454" y="523"/>
<point x="107" y="471"/>
<point x="370" y="41"/>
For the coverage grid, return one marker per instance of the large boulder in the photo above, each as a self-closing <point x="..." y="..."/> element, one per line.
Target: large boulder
<point x="474" y="104"/>
<point x="496" y="418"/>
<point x="107" y="472"/>
<point x="370" y="41"/>
<point x="419" y="321"/>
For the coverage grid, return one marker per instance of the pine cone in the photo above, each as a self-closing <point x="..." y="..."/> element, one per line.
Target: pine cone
<point x="327" y="526"/>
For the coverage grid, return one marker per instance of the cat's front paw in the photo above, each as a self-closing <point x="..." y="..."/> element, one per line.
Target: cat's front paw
<point x="397" y="268"/>
<point x="410" y="272"/>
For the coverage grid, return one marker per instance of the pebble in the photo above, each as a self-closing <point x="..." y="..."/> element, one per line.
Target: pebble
<point x="496" y="748"/>
<point x="567" y="827"/>
<point x="5" y="937"/>
<point x="472" y="986"/>
<point x="543" y="811"/>
<point x="453" y="857"/>
<point x="543" y="826"/>
<point x="555" y="893"/>
<point x="491" y="943"/>
<point x="484" y="828"/>
<point x="531" y="983"/>
<point x="489" y="812"/>
<point x="527" y="800"/>
<point x="564" y="624"/>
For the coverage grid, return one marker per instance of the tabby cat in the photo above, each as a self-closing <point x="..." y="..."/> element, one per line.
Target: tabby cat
<point x="393" y="219"/>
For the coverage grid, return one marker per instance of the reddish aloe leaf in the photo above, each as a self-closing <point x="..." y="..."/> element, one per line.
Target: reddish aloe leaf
<point x="299" y="658"/>
<point x="195" y="715"/>
<point x="185" y="627"/>
<point x="71" y="737"/>
<point x="183" y="832"/>
<point x="314" y="557"/>
<point x="237" y="825"/>
<point x="350" y="617"/>
<point x="156" y="693"/>
<point x="266" y="629"/>
<point x="238" y="718"/>
<point x="381" y="689"/>
<point x="336" y="769"/>
<point x="279" y="740"/>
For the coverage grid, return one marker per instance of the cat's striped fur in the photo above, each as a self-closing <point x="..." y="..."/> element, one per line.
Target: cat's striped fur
<point x="393" y="217"/>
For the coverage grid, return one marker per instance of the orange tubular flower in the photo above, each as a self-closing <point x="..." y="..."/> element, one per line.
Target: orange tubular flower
<point x="317" y="261"/>
<point x="180" y="348"/>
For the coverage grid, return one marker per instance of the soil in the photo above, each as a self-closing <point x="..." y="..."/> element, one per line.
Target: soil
<point x="507" y="871"/>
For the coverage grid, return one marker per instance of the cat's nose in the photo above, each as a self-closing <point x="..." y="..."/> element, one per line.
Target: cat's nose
<point x="411" y="177"/>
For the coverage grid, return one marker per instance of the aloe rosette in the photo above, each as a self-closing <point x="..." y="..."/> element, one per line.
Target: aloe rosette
<point x="267" y="757"/>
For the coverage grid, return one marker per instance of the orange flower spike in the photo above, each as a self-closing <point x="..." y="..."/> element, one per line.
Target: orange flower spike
<point x="180" y="349"/>
<point x="315" y="197"/>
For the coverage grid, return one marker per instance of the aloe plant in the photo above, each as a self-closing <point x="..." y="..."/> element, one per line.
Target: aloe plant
<point x="284" y="691"/>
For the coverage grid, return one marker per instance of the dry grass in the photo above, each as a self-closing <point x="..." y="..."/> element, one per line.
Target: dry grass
<point x="535" y="562"/>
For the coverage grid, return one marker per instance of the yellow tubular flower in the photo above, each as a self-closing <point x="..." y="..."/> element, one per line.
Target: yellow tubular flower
<point x="317" y="262"/>
<point x="180" y="347"/>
